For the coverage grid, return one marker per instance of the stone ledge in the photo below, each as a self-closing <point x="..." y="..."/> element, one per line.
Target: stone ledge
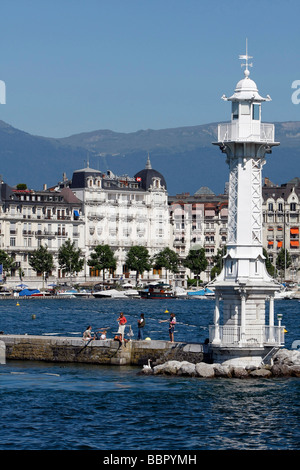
<point x="67" y="349"/>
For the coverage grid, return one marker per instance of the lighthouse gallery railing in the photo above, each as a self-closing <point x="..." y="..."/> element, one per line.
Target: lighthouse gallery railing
<point x="253" y="335"/>
<point x="229" y="131"/>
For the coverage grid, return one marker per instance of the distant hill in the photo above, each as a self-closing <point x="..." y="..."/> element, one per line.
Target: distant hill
<point x="185" y="155"/>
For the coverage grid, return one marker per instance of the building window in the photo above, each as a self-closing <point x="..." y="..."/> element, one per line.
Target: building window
<point x="245" y="108"/>
<point x="255" y="112"/>
<point x="292" y="206"/>
<point x="12" y="241"/>
<point x="235" y="110"/>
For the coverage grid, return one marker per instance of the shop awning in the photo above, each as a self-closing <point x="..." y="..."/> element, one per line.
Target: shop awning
<point x="294" y="242"/>
<point x="270" y="242"/>
<point x="76" y="213"/>
<point x="279" y="244"/>
<point x="294" y="231"/>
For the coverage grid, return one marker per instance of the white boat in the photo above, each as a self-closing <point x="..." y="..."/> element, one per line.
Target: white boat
<point x="201" y="294"/>
<point x="115" y="294"/>
<point x="82" y="293"/>
<point x="70" y="294"/>
<point x="180" y="292"/>
<point x="132" y="293"/>
<point x="284" y="294"/>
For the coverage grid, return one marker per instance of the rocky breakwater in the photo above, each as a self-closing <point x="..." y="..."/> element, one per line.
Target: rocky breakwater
<point x="286" y="363"/>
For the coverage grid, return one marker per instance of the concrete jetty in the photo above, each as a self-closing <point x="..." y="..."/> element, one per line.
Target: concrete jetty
<point x="109" y="352"/>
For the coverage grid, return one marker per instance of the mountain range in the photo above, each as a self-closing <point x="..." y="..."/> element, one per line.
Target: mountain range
<point x="184" y="155"/>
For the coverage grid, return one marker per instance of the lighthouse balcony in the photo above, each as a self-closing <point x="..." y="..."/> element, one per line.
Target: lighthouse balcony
<point x="254" y="336"/>
<point x="237" y="132"/>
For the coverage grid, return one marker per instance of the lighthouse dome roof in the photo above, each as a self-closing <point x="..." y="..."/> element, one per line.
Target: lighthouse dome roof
<point x="246" y="89"/>
<point x="246" y="84"/>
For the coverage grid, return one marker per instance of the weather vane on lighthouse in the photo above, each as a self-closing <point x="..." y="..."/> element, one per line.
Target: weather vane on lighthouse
<point x="246" y="57"/>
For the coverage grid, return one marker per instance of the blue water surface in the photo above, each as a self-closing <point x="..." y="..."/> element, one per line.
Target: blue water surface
<point x="46" y="406"/>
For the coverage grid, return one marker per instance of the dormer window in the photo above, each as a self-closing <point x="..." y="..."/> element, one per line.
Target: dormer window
<point x="156" y="183"/>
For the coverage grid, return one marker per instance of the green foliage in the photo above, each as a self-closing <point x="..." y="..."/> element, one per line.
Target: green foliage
<point x="70" y="258"/>
<point x="167" y="259"/>
<point x="218" y="263"/>
<point x="283" y="261"/>
<point x="22" y="186"/>
<point x="196" y="261"/>
<point x="138" y="259"/>
<point x="41" y="260"/>
<point x="102" y="258"/>
<point x="269" y="266"/>
<point x="7" y="261"/>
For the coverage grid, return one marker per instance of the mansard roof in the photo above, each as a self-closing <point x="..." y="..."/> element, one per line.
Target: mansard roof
<point x="270" y="190"/>
<point x="79" y="179"/>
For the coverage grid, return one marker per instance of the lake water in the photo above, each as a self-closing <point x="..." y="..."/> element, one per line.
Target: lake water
<point x="88" y="407"/>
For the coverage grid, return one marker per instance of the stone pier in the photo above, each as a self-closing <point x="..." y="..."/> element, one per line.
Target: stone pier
<point x="109" y="352"/>
<point x="2" y="353"/>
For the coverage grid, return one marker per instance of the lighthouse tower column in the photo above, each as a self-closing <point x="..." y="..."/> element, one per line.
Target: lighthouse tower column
<point x="244" y="284"/>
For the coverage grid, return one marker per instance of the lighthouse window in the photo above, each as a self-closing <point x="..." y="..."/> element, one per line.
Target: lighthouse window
<point x="256" y="112"/>
<point x="235" y="110"/>
<point x="245" y="108"/>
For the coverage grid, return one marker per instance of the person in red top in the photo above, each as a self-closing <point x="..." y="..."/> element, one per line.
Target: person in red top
<point x="122" y="321"/>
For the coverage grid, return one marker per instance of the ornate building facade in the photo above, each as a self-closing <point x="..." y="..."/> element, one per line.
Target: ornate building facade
<point x="123" y="211"/>
<point x="29" y="219"/>
<point x="95" y="208"/>
<point x="281" y="222"/>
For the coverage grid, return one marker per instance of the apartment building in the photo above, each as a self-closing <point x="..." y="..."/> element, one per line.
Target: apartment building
<point x="29" y="219"/>
<point x="199" y="220"/>
<point x="281" y="221"/>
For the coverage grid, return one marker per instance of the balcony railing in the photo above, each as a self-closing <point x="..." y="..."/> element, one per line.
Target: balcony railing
<point x="253" y="335"/>
<point x="228" y="132"/>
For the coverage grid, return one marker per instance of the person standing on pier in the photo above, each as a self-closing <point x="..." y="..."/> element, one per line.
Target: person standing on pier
<point x="172" y="323"/>
<point x="122" y="321"/>
<point x="141" y="324"/>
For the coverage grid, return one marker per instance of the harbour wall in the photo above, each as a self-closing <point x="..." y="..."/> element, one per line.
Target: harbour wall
<point x="109" y="351"/>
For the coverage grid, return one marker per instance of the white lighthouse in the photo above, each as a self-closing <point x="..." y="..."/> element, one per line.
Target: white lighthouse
<point x="242" y="332"/>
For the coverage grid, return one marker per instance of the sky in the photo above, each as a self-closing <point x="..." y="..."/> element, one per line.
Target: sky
<point x="72" y="66"/>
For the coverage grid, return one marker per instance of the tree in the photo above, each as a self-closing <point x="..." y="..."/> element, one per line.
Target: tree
<point x="196" y="261"/>
<point x="269" y="266"/>
<point x="69" y="258"/>
<point x="167" y="259"/>
<point x="138" y="259"/>
<point x="7" y="261"/>
<point x="218" y="262"/>
<point x="283" y="261"/>
<point x="41" y="261"/>
<point x="102" y="258"/>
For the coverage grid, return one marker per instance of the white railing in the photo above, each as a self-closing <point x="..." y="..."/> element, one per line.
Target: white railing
<point x="229" y="132"/>
<point x="252" y="336"/>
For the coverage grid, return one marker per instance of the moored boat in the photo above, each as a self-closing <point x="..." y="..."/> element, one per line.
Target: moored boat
<point x="30" y="293"/>
<point x="115" y="294"/>
<point x="157" y="291"/>
<point x="204" y="293"/>
<point x="284" y="294"/>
